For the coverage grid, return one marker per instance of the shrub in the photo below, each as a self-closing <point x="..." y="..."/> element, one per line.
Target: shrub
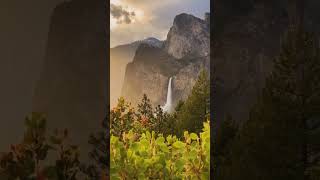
<point x="153" y="156"/>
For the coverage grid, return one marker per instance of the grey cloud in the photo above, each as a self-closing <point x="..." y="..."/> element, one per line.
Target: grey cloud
<point x="121" y="14"/>
<point x="157" y="18"/>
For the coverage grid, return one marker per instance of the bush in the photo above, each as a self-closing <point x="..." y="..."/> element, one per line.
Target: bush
<point x="153" y="156"/>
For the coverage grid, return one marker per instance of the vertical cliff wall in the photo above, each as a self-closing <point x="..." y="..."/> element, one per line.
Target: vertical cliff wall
<point x="73" y="86"/>
<point x="185" y="52"/>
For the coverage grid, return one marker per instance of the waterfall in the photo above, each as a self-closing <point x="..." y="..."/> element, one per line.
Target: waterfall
<point x="168" y="106"/>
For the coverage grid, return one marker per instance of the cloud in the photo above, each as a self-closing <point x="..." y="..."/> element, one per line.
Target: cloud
<point x="121" y="14"/>
<point x="150" y="3"/>
<point x="153" y="18"/>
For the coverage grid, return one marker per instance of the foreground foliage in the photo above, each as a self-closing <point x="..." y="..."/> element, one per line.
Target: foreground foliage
<point x="153" y="156"/>
<point x="26" y="160"/>
<point x="169" y="151"/>
<point x="147" y="143"/>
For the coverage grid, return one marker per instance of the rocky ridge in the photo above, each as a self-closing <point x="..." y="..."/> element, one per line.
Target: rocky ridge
<point x="120" y="56"/>
<point x="184" y="53"/>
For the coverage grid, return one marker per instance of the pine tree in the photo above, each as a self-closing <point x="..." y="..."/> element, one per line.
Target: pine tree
<point x="145" y="107"/>
<point x="145" y="114"/>
<point x="121" y="118"/>
<point x="195" y="109"/>
<point x="160" y="118"/>
<point x="100" y="152"/>
<point x="173" y="126"/>
<point x="276" y="142"/>
<point x="223" y="142"/>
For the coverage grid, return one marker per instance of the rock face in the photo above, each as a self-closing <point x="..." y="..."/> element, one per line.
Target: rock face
<point x="120" y="56"/>
<point x="187" y="76"/>
<point x="73" y="86"/>
<point x="189" y="35"/>
<point x="184" y="53"/>
<point x="149" y="73"/>
<point x="245" y="42"/>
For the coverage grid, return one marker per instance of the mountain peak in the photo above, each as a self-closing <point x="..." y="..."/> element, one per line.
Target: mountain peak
<point x="153" y="42"/>
<point x="188" y="35"/>
<point x="151" y="39"/>
<point x="145" y="50"/>
<point x="185" y="20"/>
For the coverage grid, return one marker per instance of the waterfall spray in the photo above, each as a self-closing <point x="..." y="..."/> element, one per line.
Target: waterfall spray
<point x="168" y="106"/>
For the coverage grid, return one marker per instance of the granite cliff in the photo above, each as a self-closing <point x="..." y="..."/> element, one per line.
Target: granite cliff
<point x="184" y="53"/>
<point x="73" y="86"/>
<point x="120" y="56"/>
<point x="246" y="39"/>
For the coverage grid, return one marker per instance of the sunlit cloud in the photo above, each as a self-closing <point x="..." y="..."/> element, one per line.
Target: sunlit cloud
<point x="121" y="15"/>
<point x="150" y="18"/>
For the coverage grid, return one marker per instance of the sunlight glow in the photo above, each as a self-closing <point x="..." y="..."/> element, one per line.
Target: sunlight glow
<point x="114" y="1"/>
<point x="113" y="23"/>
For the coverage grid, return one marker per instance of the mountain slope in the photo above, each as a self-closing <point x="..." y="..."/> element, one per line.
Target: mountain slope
<point x="184" y="53"/>
<point x="120" y="56"/>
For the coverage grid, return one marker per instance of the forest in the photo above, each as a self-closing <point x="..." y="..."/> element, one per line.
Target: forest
<point x="280" y="140"/>
<point x="148" y="143"/>
<point x="144" y="143"/>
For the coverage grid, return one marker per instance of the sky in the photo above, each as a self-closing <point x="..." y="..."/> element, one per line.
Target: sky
<point x="132" y="20"/>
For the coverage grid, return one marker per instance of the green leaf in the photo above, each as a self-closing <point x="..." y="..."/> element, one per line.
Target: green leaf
<point x="164" y="149"/>
<point x="205" y="175"/>
<point x="178" y="144"/>
<point x="160" y="140"/>
<point x="144" y="142"/>
<point x="135" y="146"/>
<point x="194" y="136"/>
<point x="179" y="164"/>
<point x="193" y="154"/>
<point x="150" y="154"/>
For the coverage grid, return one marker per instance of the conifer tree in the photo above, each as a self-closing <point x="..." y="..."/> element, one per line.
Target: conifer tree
<point x="160" y="120"/>
<point x="145" y="107"/>
<point x="121" y="118"/>
<point x="195" y="110"/>
<point x="223" y="141"/>
<point x="276" y="142"/>
<point x="100" y="152"/>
